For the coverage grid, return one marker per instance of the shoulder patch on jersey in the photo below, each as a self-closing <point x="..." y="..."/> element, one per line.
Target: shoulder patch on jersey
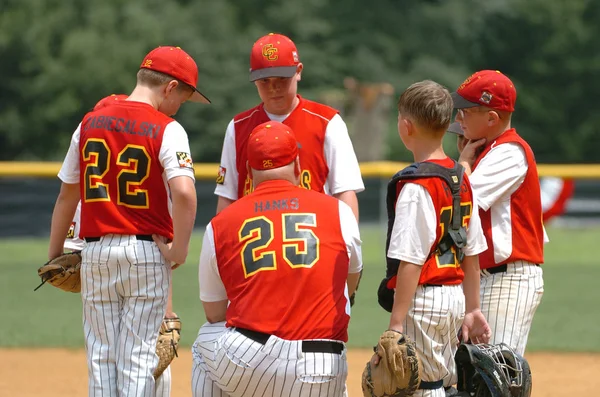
<point x="71" y="232"/>
<point x="221" y="175"/>
<point x="185" y="160"/>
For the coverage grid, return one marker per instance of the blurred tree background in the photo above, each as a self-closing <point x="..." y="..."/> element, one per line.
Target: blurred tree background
<point x="59" y="57"/>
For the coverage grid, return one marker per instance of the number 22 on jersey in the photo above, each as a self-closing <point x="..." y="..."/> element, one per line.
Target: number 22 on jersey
<point x="134" y="163"/>
<point x="299" y="248"/>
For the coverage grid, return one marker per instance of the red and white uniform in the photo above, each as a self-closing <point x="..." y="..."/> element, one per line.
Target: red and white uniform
<point x="126" y="152"/>
<point x="506" y="182"/>
<point x="281" y="256"/>
<point x="327" y="157"/>
<point x="437" y="311"/>
<point x="511" y="212"/>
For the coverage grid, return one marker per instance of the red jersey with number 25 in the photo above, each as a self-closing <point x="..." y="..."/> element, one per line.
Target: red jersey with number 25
<point x="309" y="122"/>
<point x="444" y="268"/>
<point x="122" y="188"/>
<point x="284" y="263"/>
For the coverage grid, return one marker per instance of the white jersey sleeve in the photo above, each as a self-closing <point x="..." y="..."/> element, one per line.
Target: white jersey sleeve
<point x="69" y="171"/>
<point x="212" y="288"/>
<point x="499" y="174"/>
<point x="415" y="226"/>
<point x="175" y="155"/>
<point x="351" y="236"/>
<point x="344" y="171"/>
<point x="227" y="182"/>
<point x="476" y="243"/>
<point x="73" y="242"/>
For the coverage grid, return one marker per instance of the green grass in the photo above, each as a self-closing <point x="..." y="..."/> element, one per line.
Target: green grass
<point x="567" y="320"/>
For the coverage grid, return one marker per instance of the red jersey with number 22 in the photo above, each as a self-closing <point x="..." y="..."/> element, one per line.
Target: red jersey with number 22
<point x="444" y="269"/>
<point x="122" y="188"/>
<point x="284" y="264"/>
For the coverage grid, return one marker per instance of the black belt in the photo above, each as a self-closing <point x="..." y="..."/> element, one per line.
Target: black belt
<point x="499" y="269"/>
<point x="308" y="346"/>
<point x="145" y="237"/>
<point x="438" y="384"/>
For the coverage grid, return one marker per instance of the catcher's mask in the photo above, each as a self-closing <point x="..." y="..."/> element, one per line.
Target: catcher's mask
<point x="492" y="371"/>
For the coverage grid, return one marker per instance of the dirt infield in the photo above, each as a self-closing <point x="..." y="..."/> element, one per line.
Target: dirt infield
<point x="30" y="372"/>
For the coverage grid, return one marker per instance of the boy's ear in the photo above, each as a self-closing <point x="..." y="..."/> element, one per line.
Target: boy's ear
<point x="410" y="128"/>
<point x="299" y="71"/>
<point x="493" y="118"/>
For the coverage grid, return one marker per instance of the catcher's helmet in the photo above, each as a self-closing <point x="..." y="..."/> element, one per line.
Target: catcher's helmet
<point x="492" y="371"/>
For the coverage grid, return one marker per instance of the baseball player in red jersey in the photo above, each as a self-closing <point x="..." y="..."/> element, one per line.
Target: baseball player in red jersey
<point x="504" y="177"/>
<point x="126" y="163"/>
<point x="276" y="271"/>
<point x="74" y="243"/>
<point x="327" y="157"/>
<point x="555" y="192"/>
<point x="430" y="305"/>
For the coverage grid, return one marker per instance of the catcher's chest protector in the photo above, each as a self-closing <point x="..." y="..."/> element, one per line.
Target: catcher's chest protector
<point x="456" y="235"/>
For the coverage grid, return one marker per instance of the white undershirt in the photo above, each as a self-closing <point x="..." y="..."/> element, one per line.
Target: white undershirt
<point x="344" y="171"/>
<point x="415" y="227"/>
<point x="499" y="174"/>
<point x="211" y="285"/>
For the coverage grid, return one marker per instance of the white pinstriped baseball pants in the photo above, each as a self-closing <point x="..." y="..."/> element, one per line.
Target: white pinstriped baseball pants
<point x="163" y="383"/>
<point x="125" y="284"/>
<point x="509" y="301"/>
<point x="228" y="364"/>
<point x="433" y="321"/>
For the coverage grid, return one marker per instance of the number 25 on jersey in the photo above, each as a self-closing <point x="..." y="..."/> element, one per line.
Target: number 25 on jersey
<point x="134" y="163"/>
<point x="300" y="245"/>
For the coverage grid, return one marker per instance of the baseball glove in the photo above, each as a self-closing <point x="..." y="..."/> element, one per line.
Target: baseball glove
<point x="397" y="373"/>
<point x="166" y="346"/>
<point x="62" y="272"/>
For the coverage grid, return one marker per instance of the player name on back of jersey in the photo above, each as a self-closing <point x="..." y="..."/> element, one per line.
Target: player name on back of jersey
<point x="271" y="205"/>
<point x="122" y="125"/>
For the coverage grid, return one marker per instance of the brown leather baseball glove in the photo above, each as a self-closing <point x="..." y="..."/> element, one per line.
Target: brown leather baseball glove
<point x="62" y="272"/>
<point x="166" y="346"/>
<point x="397" y="372"/>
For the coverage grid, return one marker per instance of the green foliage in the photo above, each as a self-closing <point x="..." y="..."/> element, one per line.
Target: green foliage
<point x="60" y="57"/>
<point x="50" y="317"/>
<point x="549" y="48"/>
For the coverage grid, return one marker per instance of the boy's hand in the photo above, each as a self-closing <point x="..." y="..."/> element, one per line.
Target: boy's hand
<point x="470" y="152"/>
<point x="475" y="328"/>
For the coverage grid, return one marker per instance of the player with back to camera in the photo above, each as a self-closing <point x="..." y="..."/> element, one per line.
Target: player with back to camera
<point x="434" y="238"/>
<point x="126" y="162"/>
<point x="276" y="271"/>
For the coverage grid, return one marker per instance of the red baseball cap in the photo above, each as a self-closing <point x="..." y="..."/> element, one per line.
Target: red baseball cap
<point x="175" y="62"/>
<point x="273" y="55"/>
<point x="488" y="88"/>
<point x="109" y="100"/>
<point x="271" y="145"/>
